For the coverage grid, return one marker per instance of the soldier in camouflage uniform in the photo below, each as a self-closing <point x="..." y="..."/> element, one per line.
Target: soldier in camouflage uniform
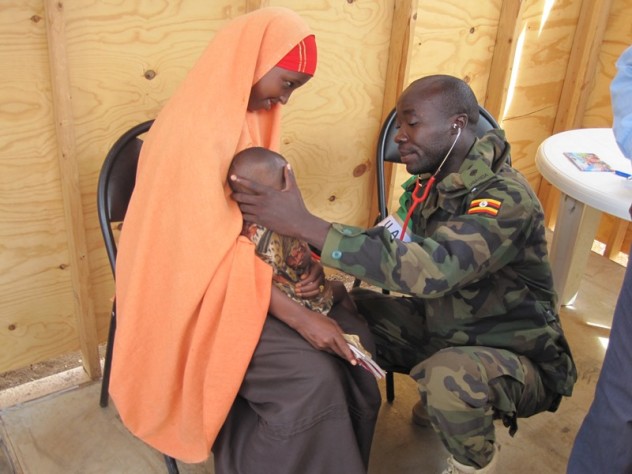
<point x="478" y="329"/>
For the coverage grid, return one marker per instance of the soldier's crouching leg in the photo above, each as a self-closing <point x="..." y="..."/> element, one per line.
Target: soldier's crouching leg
<point x="398" y="328"/>
<point x="465" y="388"/>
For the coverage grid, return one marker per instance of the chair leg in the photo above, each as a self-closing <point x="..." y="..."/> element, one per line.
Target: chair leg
<point x="107" y="365"/>
<point x="390" y="387"/>
<point x="172" y="465"/>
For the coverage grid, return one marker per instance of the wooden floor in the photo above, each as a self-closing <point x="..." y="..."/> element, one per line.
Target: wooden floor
<point x="67" y="432"/>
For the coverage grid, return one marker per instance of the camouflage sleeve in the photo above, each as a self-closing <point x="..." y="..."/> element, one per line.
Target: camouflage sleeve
<point x="462" y="249"/>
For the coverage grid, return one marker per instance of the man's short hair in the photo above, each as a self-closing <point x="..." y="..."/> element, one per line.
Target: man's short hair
<point x="457" y="96"/>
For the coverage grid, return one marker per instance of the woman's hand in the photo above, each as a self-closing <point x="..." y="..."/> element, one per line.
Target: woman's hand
<point x="322" y="332"/>
<point x="312" y="283"/>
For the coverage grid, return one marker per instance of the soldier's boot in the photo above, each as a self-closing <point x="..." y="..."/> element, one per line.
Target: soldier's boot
<point x="420" y="415"/>
<point x="455" y="467"/>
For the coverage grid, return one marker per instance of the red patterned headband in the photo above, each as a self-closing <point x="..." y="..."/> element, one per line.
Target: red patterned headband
<point x="302" y="58"/>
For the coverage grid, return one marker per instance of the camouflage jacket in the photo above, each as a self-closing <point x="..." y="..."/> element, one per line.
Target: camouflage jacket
<point x="478" y="262"/>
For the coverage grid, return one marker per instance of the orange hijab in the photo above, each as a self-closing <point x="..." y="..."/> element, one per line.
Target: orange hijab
<point x="191" y="295"/>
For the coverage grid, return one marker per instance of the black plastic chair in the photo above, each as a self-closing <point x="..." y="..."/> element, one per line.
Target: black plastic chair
<point x="116" y="183"/>
<point x="387" y="152"/>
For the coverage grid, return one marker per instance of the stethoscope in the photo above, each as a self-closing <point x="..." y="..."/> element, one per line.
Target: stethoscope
<point x="417" y="200"/>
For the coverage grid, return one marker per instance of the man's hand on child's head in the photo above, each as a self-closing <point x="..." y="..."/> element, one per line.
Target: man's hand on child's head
<point x="281" y="211"/>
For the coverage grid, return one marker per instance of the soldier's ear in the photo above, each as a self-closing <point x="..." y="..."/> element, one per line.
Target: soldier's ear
<point x="460" y="122"/>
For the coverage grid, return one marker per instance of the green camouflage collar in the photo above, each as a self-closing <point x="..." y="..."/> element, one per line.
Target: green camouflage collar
<point x="484" y="159"/>
<point x="486" y="156"/>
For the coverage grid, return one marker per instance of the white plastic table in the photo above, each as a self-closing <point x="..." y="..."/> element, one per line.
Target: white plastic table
<point x="585" y="195"/>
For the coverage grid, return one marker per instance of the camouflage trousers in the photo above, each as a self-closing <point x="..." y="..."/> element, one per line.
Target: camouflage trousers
<point x="464" y="388"/>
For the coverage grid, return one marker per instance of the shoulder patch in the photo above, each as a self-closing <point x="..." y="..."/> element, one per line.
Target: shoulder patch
<point x="485" y="206"/>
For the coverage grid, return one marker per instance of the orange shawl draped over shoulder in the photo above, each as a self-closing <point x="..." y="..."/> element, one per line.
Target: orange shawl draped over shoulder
<point x="191" y="295"/>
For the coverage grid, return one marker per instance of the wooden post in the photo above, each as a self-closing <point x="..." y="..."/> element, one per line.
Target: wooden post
<point x="615" y="240"/>
<point x="502" y="60"/>
<point x="402" y="34"/>
<point x="582" y="64"/>
<point x="549" y="196"/>
<point x="69" y="176"/>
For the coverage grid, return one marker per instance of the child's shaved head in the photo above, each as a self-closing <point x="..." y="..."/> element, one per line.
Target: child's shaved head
<point x="260" y="165"/>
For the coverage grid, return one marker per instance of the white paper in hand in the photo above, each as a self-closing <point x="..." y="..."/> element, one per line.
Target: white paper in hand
<point x="364" y="357"/>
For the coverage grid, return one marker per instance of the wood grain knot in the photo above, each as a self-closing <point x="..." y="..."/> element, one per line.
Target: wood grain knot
<point x="360" y="170"/>
<point x="149" y="74"/>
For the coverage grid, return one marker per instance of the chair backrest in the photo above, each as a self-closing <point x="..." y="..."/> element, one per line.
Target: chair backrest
<point x="116" y="183"/>
<point x="387" y="150"/>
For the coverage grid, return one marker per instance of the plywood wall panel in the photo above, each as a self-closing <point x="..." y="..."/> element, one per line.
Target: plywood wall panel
<point x="331" y="124"/>
<point x="617" y="37"/>
<point x="546" y="40"/>
<point x="126" y="59"/>
<point x="455" y="38"/>
<point x="36" y="312"/>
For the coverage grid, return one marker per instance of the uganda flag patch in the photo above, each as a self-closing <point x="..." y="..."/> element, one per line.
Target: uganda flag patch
<point x="484" y="206"/>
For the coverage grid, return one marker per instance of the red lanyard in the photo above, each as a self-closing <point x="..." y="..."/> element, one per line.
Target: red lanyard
<point x="416" y="201"/>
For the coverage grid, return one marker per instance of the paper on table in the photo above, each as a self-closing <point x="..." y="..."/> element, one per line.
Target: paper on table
<point x="587" y="161"/>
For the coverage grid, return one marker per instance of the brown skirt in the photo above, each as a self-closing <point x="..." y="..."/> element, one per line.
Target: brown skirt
<point x="300" y="410"/>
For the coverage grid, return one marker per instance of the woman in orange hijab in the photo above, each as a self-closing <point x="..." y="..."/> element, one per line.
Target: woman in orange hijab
<point x="196" y="349"/>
